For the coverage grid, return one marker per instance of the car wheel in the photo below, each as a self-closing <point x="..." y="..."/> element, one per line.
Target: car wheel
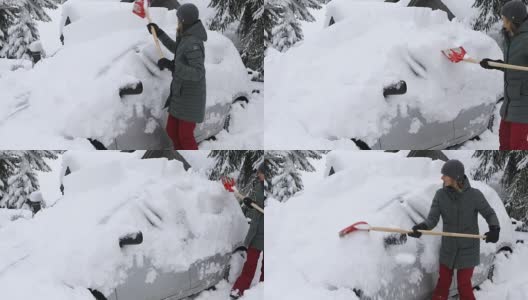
<point x="243" y="102"/>
<point x="238" y="258"/>
<point x="506" y="252"/>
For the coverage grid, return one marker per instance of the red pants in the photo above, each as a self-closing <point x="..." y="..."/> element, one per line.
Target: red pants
<point x="248" y="272"/>
<point x="181" y="133"/>
<point x="513" y="136"/>
<point x="465" y="289"/>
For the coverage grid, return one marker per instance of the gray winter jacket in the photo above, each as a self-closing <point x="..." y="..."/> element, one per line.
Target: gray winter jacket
<point x="255" y="236"/>
<point x="515" y="106"/>
<point x="459" y="212"/>
<point x="187" y="97"/>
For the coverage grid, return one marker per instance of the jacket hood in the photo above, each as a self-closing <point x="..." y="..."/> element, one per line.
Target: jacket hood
<point x="197" y="30"/>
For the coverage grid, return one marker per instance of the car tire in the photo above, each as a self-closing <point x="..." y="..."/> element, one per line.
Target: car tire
<point x="240" y="101"/>
<point x="242" y="251"/>
<point x="507" y="252"/>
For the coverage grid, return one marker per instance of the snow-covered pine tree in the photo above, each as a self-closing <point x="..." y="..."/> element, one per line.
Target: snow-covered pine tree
<point x="23" y="29"/>
<point x="22" y="180"/>
<point x="489" y="13"/>
<point x="285" y="167"/>
<point x="6" y="20"/>
<point x="288" y="29"/>
<point x="239" y="163"/>
<point x="512" y="167"/>
<point x="253" y="17"/>
<point x="7" y="165"/>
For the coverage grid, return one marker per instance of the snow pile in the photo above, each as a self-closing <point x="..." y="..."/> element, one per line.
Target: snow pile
<point x="105" y="50"/>
<point x="511" y="277"/>
<point x="74" y="245"/>
<point x="306" y="257"/>
<point x="10" y="215"/>
<point x="344" y="70"/>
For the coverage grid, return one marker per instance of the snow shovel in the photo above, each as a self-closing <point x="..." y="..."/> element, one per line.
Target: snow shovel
<point x="139" y="9"/>
<point x="457" y="55"/>
<point x="229" y="185"/>
<point x="366" y="227"/>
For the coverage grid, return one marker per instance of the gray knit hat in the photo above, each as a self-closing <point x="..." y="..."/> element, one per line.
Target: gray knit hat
<point x="454" y="169"/>
<point x="188" y="14"/>
<point x="515" y="11"/>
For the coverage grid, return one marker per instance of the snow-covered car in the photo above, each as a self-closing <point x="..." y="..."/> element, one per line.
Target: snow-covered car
<point x="105" y="84"/>
<point x="377" y="76"/>
<point x="383" y="189"/>
<point x="125" y="229"/>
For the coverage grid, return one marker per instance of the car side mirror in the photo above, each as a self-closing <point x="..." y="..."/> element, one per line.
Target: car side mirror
<point x="397" y="88"/>
<point x="135" y="238"/>
<point x="395" y="239"/>
<point x="135" y="88"/>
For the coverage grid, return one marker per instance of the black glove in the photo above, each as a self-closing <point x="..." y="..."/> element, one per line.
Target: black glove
<point x="416" y="233"/>
<point x="247" y="202"/>
<point x="485" y="64"/>
<point x="165" y="63"/>
<point x="154" y="26"/>
<point x="492" y="236"/>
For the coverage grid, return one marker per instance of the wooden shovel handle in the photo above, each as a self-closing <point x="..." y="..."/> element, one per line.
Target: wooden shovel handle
<point x="155" y="36"/>
<point x="499" y="65"/>
<point x="428" y="232"/>
<point x="452" y="234"/>
<point x="388" y="229"/>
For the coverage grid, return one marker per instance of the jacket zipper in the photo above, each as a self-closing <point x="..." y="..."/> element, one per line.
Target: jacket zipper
<point x="509" y="42"/>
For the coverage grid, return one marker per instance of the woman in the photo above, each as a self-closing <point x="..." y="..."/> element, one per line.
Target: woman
<point x="254" y="239"/>
<point x="186" y="101"/>
<point x="513" y="132"/>
<point x="457" y="198"/>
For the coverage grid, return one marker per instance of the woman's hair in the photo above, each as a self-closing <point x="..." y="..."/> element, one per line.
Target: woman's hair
<point x="517" y="26"/>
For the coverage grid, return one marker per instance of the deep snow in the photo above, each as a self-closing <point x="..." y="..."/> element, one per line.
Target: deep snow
<point x="73" y="95"/>
<point x="306" y="258"/>
<point x="345" y="66"/>
<point x="102" y="203"/>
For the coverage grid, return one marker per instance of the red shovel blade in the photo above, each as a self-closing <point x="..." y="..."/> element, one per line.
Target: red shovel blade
<point x="228" y="183"/>
<point x="353" y="228"/>
<point x="455" y="54"/>
<point x="139" y="8"/>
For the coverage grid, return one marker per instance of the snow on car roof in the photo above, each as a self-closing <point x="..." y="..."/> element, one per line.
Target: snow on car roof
<point x="78" y="160"/>
<point x="346" y="66"/>
<point x="383" y="189"/>
<point x="74" y="245"/>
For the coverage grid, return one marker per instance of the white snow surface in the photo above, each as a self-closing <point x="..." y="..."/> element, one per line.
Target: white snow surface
<point x="75" y="94"/>
<point x="74" y="245"/>
<point x="306" y="257"/>
<point x="339" y="95"/>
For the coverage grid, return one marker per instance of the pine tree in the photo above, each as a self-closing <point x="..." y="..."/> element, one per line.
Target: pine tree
<point x="284" y="171"/>
<point x="253" y="19"/>
<point x="21" y="174"/>
<point x="288" y="29"/>
<point x="512" y="166"/>
<point x="22" y="29"/>
<point x="241" y="164"/>
<point x="6" y="20"/>
<point x="489" y="13"/>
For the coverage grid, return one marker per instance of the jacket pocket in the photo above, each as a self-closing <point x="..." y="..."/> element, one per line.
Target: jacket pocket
<point x="513" y="90"/>
<point x="176" y="87"/>
<point x="524" y="88"/>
